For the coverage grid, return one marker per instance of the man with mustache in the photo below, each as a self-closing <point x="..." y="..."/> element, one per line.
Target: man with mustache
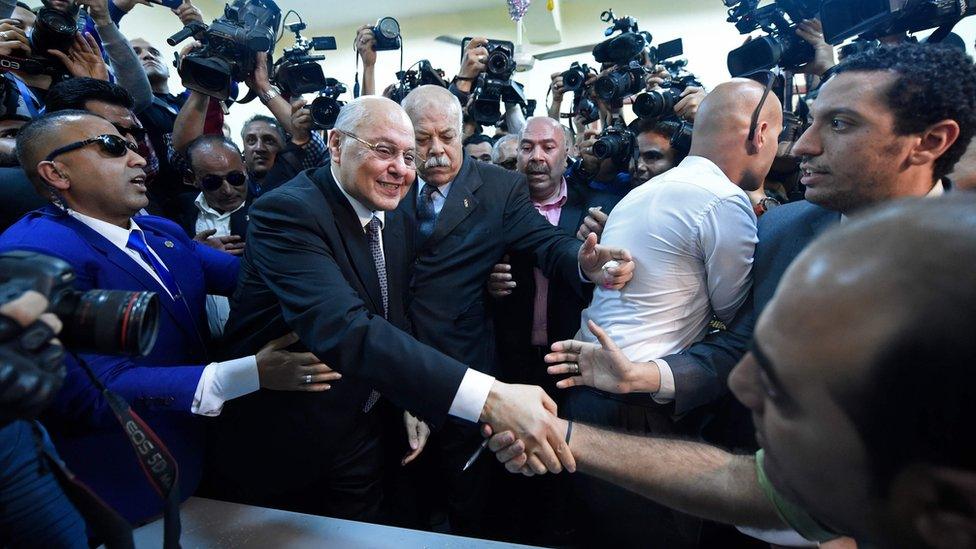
<point x="468" y="214"/>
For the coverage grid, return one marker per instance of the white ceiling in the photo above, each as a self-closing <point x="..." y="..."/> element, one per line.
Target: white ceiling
<point x="337" y="13"/>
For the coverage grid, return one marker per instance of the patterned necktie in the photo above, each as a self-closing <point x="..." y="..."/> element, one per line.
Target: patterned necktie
<point x="137" y="242"/>
<point x="376" y="249"/>
<point x="425" y="211"/>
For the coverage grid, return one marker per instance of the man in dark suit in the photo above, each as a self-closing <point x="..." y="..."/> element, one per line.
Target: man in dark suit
<point x="467" y="215"/>
<point x="875" y="158"/>
<point x="328" y="257"/>
<point x="96" y="183"/>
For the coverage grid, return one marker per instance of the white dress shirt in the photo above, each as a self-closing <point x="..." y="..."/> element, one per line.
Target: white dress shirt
<point x="218" y="306"/>
<point x="221" y="381"/>
<point x="692" y="233"/>
<point x="473" y="392"/>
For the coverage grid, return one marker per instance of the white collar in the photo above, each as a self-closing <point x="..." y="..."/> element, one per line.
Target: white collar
<point x="204" y="206"/>
<point x="115" y="234"/>
<point x="365" y="214"/>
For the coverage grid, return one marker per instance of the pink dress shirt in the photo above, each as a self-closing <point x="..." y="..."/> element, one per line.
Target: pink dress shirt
<point x="551" y="209"/>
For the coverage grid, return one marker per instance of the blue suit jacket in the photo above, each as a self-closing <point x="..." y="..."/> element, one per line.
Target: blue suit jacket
<point x="160" y="386"/>
<point x="701" y="372"/>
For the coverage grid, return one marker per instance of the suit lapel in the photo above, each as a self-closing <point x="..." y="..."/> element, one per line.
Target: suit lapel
<point x="572" y="213"/>
<point x="238" y="222"/>
<point x="353" y="238"/>
<point x="459" y="204"/>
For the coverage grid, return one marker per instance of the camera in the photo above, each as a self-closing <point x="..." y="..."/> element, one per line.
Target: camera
<point x="574" y="79"/>
<point x="660" y="103"/>
<point x="874" y="19"/>
<point x="616" y="142"/>
<point x="621" y="82"/>
<point x="408" y="80"/>
<point x="781" y="46"/>
<point x="230" y="46"/>
<point x="297" y="72"/>
<point x="626" y="46"/>
<point x="495" y="85"/>
<point x="98" y="321"/>
<point x="387" y="34"/>
<point x="325" y="108"/>
<point x="53" y="30"/>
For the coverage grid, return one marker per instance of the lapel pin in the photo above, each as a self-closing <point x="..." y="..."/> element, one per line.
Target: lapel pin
<point x="465" y="202"/>
<point x="168" y="244"/>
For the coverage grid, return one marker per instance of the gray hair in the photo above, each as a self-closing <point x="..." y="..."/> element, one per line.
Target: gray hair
<point x="430" y="97"/>
<point x="496" y="149"/>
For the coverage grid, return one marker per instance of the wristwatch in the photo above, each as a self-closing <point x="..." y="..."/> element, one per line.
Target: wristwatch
<point x="270" y="94"/>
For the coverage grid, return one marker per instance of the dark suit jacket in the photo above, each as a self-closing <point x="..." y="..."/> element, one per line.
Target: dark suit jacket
<point x="513" y="314"/>
<point x="17" y="196"/>
<point x="188" y="213"/>
<point x="487" y="213"/>
<point x="701" y="372"/>
<point x="308" y="269"/>
<point x="160" y="386"/>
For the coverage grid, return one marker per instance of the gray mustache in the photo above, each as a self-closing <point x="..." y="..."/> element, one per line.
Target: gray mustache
<point x="438" y="162"/>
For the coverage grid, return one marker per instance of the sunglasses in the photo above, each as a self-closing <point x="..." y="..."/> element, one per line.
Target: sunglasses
<point x="112" y="145"/>
<point x="768" y="78"/>
<point x="212" y="182"/>
<point x="135" y="132"/>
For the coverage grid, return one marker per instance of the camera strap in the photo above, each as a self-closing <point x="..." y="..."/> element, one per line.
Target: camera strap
<point x="154" y="457"/>
<point x="108" y="526"/>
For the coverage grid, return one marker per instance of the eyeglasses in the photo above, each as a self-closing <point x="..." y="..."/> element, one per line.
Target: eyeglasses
<point x="385" y="152"/>
<point x="212" y="182"/>
<point x="137" y="133"/>
<point x="112" y="145"/>
<point x="769" y="78"/>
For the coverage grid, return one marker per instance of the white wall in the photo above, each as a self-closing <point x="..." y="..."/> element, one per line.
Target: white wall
<point x="701" y="23"/>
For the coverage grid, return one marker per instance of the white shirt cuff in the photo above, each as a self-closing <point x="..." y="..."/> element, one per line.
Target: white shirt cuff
<point x="471" y="395"/>
<point x="665" y="393"/>
<point x="222" y="381"/>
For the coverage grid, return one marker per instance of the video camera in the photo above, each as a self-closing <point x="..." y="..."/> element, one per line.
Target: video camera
<point x="616" y="142"/>
<point x="325" y="108"/>
<point x="871" y="19"/>
<point x="230" y="46"/>
<point x="495" y="85"/>
<point x="781" y="46"/>
<point x="99" y="321"/>
<point x="408" y="80"/>
<point x="627" y="52"/>
<point x="297" y="72"/>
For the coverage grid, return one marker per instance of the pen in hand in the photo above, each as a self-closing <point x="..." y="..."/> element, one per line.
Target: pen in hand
<point x="475" y="455"/>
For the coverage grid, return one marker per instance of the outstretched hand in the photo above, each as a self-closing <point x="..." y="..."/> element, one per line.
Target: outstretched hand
<point x="610" y="267"/>
<point x="602" y="366"/>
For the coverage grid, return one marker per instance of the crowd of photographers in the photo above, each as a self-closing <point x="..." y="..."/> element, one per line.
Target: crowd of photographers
<point x="339" y="310"/>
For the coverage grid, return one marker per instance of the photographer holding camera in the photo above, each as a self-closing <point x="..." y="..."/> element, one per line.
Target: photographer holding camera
<point x="473" y="66"/>
<point x="95" y="182"/>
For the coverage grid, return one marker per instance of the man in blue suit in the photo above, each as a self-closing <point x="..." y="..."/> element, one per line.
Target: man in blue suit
<point x="888" y="123"/>
<point x="95" y="181"/>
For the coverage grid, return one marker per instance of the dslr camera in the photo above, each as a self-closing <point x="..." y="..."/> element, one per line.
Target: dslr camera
<point x="230" y="46"/>
<point x="53" y="30"/>
<point x="574" y="80"/>
<point x="408" y="80"/>
<point x="325" y="108"/>
<point x="297" y="72"/>
<point x="387" y="34"/>
<point x="616" y="142"/>
<point x="659" y="104"/>
<point x="495" y="85"/>
<point x="627" y="52"/>
<point x="781" y="46"/>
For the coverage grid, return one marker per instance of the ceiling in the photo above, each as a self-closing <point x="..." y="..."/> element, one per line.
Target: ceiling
<point x="338" y="13"/>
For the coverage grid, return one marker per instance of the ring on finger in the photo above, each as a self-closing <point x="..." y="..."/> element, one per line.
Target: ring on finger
<point x="308" y="379"/>
<point x="576" y="369"/>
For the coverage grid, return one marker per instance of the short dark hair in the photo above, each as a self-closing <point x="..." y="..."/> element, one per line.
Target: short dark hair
<point x="665" y="127"/>
<point x="476" y="139"/>
<point x="932" y="83"/>
<point x="213" y="140"/>
<point x="73" y="93"/>
<point x="267" y="120"/>
<point x="25" y="6"/>
<point x="33" y="142"/>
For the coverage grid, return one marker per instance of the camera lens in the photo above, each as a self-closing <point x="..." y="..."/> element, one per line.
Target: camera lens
<point x="388" y="27"/>
<point x="607" y="146"/>
<point x="499" y="62"/>
<point x="616" y="85"/>
<point x="208" y="75"/>
<point x="655" y="104"/>
<point x="53" y="30"/>
<point x="108" y="321"/>
<point x="324" y="112"/>
<point x="573" y="80"/>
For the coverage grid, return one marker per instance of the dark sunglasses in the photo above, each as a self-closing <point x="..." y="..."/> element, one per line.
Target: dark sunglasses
<point x="112" y="145"/>
<point x="212" y="182"/>
<point x="767" y="78"/>
<point x="137" y="133"/>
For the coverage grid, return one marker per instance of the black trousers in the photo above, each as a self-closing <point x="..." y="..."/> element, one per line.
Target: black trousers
<point x="338" y="477"/>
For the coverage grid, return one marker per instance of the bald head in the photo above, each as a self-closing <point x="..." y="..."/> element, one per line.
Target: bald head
<point x="431" y="98"/>
<point x="544" y="125"/>
<point x="370" y="110"/>
<point x="722" y="131"/>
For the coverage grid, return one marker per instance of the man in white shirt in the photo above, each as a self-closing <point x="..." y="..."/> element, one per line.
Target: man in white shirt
<point x="96" y="184"/>
<point x="217" y="215"/>
<point x="692" y="233"/>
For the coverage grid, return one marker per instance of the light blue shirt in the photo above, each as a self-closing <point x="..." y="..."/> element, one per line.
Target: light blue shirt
<point x="439" y="197"/>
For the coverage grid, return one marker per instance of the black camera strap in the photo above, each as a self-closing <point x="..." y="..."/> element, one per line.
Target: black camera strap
<point x="155" y="458"/>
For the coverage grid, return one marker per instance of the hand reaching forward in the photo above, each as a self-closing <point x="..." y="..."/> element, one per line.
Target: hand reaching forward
<point x="601" y="366"/>
<point x="594" y="259"/>
<point x="417" y="433"/>
<point x="510" y="450"/>
<point x="282" y="370"/>
<point x="530" y="414"/>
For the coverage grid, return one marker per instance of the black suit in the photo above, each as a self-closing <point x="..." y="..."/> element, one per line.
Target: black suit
<point x="187" y="214"/>
<point x="486" y="214"/>
<point x="17" y="196"/>
<point x="308" y="269"/>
